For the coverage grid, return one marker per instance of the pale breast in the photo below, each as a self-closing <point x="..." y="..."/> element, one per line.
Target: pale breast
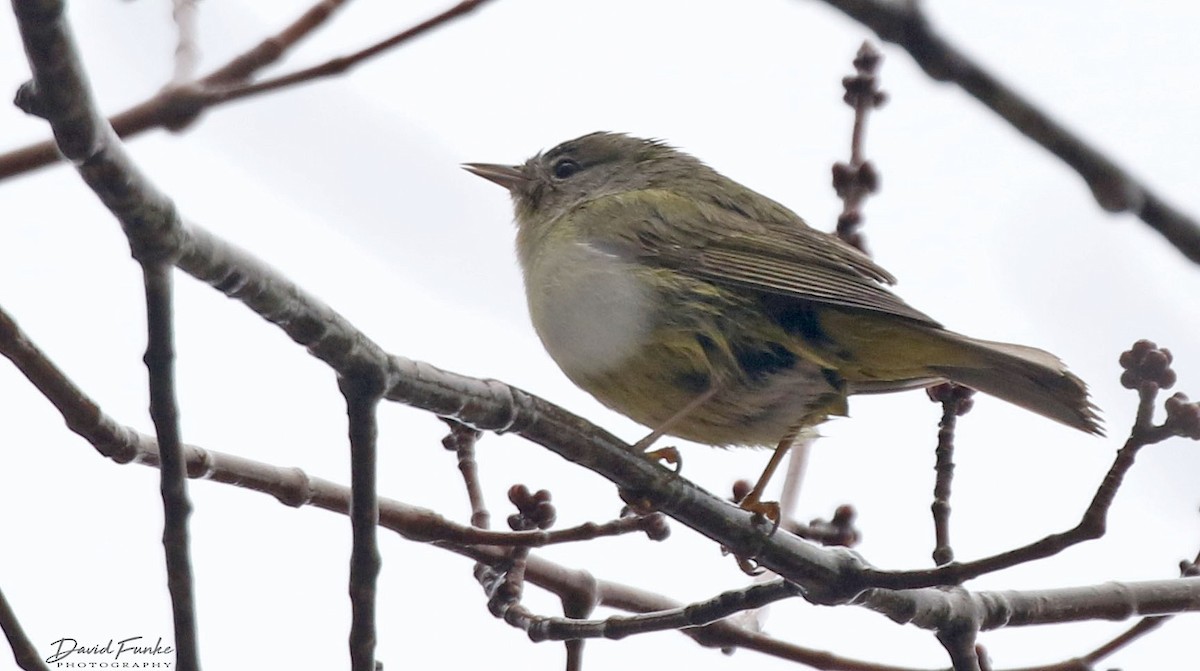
<point x="589" y="308"/>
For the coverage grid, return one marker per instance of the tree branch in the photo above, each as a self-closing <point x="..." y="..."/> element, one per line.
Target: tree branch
<point x="363" y="392"/>
<point x="1115" y="190"/>
<point x="929" y="607"/>
<point x="177" y="507"/>
<point x="181" y="103"/>
<point x="293" y="487"/>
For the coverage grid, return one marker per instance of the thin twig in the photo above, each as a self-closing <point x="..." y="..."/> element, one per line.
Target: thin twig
<point x="955" y="400"/>
<point x="617" y="627"/>
<point x="857" y="179"/>
<point x="178" y="105"/>
<point x="161" y="110"/>
<point x="341" y="64"/>
<point x="1138" y="630"/>
<point x="943" y="553"/>
<point x="269" y="51"/>
<point x="1112" y="186"/>
<point x="506" y="586"/>
<point x="1091" y="525"/>
<point x="462" y="439"/>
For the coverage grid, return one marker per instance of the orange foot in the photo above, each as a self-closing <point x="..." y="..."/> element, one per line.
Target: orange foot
<point x="636" y="502"/>
<point x="762" y="511"/>
<point x="768" y="510"/>
<point x="668" y="455"/>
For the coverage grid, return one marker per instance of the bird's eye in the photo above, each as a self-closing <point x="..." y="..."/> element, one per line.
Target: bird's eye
<point x="565" y="167"/>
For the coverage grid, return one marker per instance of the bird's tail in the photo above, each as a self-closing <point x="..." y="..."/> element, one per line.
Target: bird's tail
<point x="1025" y="376"/>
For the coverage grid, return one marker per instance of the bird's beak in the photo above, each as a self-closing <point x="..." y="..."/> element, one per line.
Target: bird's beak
<point x="511" y="177"/>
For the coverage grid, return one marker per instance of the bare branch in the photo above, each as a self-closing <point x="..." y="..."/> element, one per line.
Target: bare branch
<point x="462" y="440"/>
<point x="268" y="52"/>
<point x="1091" y="525"/>
<point x="933" y="607"/>
<point x="857" y="179"/>
<point x="295" y="488"/>
<point x="341" y="64"/>
<point x="164" y="410"/>
<point x="60" y="93"/>
<point x="1143" y="627"/>
<point x="955" y="400"/>
<point x="1112" y="186"/>
<point x="180" y="104"/>
<point x="717" y="608"/>
<point x="363" y="393"/>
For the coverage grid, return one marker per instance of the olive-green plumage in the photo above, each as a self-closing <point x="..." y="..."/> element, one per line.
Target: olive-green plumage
<point x="653" y="280"/>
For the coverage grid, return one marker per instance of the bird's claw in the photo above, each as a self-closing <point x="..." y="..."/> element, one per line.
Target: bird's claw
<point x="668" y="455"/>
<point x="763" y="511"/>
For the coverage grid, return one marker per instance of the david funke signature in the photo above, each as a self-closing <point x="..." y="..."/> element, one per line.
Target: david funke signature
<point x="70" y="646"/>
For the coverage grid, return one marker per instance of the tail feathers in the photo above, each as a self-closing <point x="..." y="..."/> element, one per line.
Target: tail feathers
<point x="1028" y="377"/>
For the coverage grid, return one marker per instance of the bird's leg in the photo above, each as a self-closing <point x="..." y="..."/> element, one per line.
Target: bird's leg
<point x="833" y="404"/>
<point x="753" y="501"/>
<point x="670" y="455"/>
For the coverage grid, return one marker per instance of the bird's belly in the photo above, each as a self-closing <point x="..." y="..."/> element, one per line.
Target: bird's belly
<point x="657" y="383"/>
<point x="609" y="325"/>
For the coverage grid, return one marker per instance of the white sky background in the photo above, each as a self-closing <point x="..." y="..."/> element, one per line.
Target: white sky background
<point x="352" y="187"/>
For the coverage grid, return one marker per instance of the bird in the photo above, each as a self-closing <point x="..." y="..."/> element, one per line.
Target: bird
<point x="704" y="310"/>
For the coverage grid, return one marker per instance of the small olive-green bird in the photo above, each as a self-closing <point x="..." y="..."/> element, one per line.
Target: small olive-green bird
<point x="704" y="310"/>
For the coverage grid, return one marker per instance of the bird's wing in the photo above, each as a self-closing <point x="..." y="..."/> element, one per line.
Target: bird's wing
<point x="767" y="248"/>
